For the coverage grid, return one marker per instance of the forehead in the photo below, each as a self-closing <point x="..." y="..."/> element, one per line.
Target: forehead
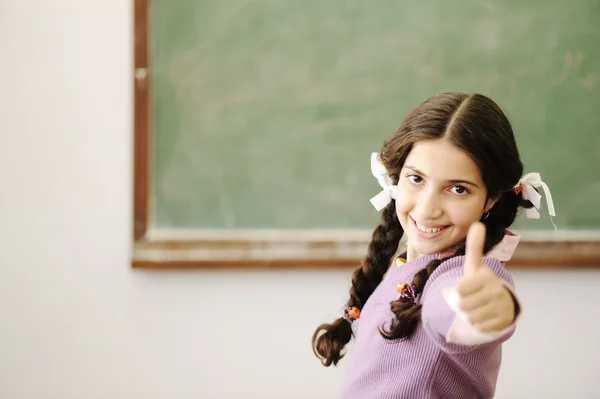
<point x="442" y="160"/>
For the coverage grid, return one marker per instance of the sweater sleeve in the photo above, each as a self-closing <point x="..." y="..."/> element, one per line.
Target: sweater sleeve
<point x="441" y="319"/>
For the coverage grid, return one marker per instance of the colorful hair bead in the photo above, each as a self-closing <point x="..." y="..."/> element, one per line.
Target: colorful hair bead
<point x="518" y="189"/>
<point x="406" y="290"/>
<point x="351" y="313"/>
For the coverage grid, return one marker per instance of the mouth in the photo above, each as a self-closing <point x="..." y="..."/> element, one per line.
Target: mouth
<point x="428" y="231"/>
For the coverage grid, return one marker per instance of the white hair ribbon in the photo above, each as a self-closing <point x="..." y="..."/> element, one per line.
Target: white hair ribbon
<point x="385" y="181"/>
<point x="529" y="182"/>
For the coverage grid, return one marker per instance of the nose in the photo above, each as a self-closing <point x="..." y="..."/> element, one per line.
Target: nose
<point x="429" y="205"/>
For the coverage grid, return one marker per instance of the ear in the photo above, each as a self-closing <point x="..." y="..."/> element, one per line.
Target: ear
<point x="490" y="204"/>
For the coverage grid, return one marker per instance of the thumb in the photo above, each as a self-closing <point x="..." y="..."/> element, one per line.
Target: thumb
<point x="474" y="248"/>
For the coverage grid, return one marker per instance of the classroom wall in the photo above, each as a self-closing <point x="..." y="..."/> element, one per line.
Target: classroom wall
<point x="77" y="322"/>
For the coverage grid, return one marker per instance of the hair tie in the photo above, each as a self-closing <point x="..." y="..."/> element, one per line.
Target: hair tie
<point x="407" y="291"/>
<point x="518" y="188"/>
<point x="351" y="313"/>
<point x="385" y="181"/>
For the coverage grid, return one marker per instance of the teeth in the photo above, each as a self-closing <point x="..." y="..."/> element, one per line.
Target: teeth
<point x="428" y="229"/>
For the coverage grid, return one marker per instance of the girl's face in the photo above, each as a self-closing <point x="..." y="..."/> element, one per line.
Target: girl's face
<point x="440" y="194"/>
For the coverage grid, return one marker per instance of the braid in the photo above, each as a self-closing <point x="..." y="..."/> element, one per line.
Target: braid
<point x="384" y="243"/>
<point x="407" y="312"/>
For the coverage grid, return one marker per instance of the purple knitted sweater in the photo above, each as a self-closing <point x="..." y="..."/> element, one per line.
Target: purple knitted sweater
<point x="425" y="365"/>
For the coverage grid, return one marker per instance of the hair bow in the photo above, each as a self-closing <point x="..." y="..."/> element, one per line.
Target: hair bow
<point x="385" y="181"/>
<point x="529" y="183"/>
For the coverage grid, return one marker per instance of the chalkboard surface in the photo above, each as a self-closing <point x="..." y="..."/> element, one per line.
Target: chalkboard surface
<point x="263" y="113"/>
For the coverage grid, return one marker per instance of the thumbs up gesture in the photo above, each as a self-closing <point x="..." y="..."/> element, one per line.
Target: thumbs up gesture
<point x="484" y="299"/>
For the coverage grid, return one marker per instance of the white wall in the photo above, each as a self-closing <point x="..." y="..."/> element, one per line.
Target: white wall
<point x="77" y="322"/>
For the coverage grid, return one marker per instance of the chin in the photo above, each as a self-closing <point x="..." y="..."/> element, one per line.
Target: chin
<point x="428" y="249"/>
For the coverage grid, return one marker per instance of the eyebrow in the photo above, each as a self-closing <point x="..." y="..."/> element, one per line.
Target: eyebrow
<point x="456" y="181"/>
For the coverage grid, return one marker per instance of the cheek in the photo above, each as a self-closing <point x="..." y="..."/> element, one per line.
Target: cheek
<point x="462" y="217"/>
<point x="404" y="203"/>
<point x="465" y="213"/>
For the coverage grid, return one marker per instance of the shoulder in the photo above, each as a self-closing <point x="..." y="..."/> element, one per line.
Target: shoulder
<point x="506" y="248"/>
<point x="454" y="268"/>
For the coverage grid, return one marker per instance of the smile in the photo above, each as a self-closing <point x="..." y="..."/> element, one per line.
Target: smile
<point x="429" y="230"/>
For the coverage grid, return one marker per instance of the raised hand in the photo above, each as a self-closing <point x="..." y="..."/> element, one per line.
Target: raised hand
<point x="485" y="300"/>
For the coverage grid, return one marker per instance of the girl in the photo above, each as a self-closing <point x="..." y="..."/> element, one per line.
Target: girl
<point x="432" y="320"/>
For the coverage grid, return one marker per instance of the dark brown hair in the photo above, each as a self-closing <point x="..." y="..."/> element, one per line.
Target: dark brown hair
<point x="476" y="125"/>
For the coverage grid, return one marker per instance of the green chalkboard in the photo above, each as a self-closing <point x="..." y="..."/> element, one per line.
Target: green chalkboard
<point x="263" y="114"/>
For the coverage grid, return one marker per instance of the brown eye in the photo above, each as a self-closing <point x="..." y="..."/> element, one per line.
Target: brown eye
<point x="459" y="190"/>
<point x="415" y="179"/>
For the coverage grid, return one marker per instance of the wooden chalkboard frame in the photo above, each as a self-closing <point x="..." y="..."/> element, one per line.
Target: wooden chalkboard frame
<point x="177" y="249"/>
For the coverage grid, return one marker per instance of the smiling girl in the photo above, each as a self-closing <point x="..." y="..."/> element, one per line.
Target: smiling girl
<point x="433" y="318"/>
